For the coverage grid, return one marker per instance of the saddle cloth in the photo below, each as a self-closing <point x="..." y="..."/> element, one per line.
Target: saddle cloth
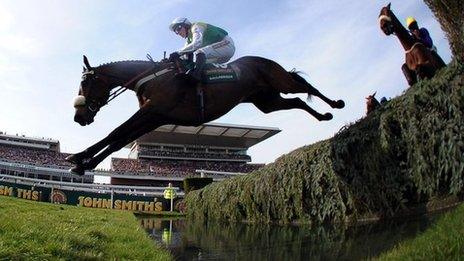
<point x="216" y="73"/>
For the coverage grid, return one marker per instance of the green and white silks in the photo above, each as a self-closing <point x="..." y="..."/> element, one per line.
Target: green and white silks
<point x="213" y="41"/>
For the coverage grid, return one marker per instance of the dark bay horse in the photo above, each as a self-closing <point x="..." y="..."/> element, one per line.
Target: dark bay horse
<point x="170" y="99"/>
<point x="420" y="61"/>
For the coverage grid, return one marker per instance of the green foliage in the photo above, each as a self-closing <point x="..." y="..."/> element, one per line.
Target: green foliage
<point x="444" y="241"/>
<point x="41" y="231"/>
<point x="404" y="154"/>
<point x="196" y="183"/>
<point x="450" y="14"/>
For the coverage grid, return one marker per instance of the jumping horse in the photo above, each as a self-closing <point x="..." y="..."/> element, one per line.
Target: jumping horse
<point x="420" y="61"/>
<point x="168" y="98"/>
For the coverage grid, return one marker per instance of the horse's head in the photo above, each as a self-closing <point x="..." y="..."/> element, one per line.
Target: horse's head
<point x="371" y="103"/>
<point x="94" y="92"/>
<point x="385" y="20"/>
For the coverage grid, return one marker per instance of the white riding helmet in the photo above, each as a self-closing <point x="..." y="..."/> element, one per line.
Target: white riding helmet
<point x="178" y="21"/>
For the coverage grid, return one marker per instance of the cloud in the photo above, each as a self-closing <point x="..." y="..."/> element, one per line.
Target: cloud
<point x="20" y="45"/>
<point x="5" y="19"/>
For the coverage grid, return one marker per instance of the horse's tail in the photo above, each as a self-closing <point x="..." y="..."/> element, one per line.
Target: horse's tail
<point x="297" y="77"/>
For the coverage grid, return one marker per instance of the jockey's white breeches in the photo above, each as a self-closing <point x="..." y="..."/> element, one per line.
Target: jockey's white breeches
<point x="219" y="52"/>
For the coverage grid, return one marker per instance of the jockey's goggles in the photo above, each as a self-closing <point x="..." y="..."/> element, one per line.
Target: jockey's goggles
<point x="177" y="28"/>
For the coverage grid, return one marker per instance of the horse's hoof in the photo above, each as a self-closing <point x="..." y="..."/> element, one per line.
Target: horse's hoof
<point x="339" y="104"/>
<point x="326" y="117"/>
<point x="74" y="159"/>
<point x="78" y="170"/>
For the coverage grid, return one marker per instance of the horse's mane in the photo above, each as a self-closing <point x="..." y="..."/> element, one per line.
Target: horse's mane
<point x="127" y="67"/>
<point x="126" y="62"/>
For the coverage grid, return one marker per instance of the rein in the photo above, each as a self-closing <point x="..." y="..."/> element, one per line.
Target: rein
<point x="125" y="86"/>
<point x="139" y="80"/>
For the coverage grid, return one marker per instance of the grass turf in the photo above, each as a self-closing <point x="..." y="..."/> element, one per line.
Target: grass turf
<point x="37" y="231"/>
<point x="443" y="241"/>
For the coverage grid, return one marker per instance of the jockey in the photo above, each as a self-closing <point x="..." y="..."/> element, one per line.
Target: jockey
<point x="207" y="42"/>
<point x="422" y="35"/>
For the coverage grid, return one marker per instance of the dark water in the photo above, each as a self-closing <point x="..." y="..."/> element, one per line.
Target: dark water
<point x="189" y="240"/>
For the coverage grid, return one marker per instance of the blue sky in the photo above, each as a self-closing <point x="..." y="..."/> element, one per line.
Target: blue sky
<point x="338" y="44"/>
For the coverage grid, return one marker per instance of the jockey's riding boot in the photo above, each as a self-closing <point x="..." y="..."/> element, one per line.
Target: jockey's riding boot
<point x="200" y="64"/>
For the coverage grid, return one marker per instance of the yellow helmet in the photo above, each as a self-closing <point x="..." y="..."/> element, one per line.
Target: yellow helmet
<point x="410" y="20"/>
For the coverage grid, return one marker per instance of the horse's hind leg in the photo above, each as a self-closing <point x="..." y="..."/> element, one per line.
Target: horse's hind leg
<point x="426" y="71"/>
<point x="291" y="82"/>
<point x="439" y="63"/>
<point x="274" y="102"/>
<point x="313" y="91"/>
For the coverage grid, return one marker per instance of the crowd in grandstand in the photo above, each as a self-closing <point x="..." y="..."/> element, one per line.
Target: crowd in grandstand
<point x="177" y="168"/>
<point x="195" y="155"/>
<point x="174" y="162"/>
<point x="33" y="156"/>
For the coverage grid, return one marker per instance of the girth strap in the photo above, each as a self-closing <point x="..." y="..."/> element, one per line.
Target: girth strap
<point x="414" y="46"/>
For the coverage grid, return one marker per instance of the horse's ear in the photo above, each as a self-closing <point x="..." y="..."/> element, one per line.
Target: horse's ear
<point x="373" y="95"/>
<point x="83" y="69"/>
<point x="388" y="6"/>
<point x="86" y="62"/>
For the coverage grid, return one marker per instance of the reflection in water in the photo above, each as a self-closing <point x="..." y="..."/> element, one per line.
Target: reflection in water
<point x="188" y="240"/>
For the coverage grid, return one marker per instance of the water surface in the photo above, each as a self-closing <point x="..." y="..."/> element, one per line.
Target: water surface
<point x="189" y="240"/>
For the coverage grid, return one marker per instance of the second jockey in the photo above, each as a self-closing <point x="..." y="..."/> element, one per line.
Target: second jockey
<point x="420" y="34"/>
<point x="207" y="42"/>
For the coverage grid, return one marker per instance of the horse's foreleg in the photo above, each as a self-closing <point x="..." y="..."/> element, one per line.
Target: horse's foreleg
<point x="123" y="130"/>
<point x="143" y="125"/>
<point x="409" y="74"/>
<point x="143" y="128"/>
<point x="269" y="104"/>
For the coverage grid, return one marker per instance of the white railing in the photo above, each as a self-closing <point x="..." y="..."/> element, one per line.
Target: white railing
<point x="89" y="187"/>
<point x="218" y="173"/>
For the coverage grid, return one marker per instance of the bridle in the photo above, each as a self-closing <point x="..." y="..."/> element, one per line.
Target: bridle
<point x="94" y="105"/>
<point x="390" y="25"/>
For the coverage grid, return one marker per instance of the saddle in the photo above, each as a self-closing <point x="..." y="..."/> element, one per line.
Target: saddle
<point x="212" y="72"/>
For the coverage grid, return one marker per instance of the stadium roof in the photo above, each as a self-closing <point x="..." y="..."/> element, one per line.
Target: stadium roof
<point x="209" y="134"/>
<point x="26" y="138"/>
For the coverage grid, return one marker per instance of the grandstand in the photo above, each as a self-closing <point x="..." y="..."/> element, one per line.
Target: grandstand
<point x="38" y="158"/>
<point x="35" y="169"/>
<point x="172" y="152"/>
<point x="166" y="155"/>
